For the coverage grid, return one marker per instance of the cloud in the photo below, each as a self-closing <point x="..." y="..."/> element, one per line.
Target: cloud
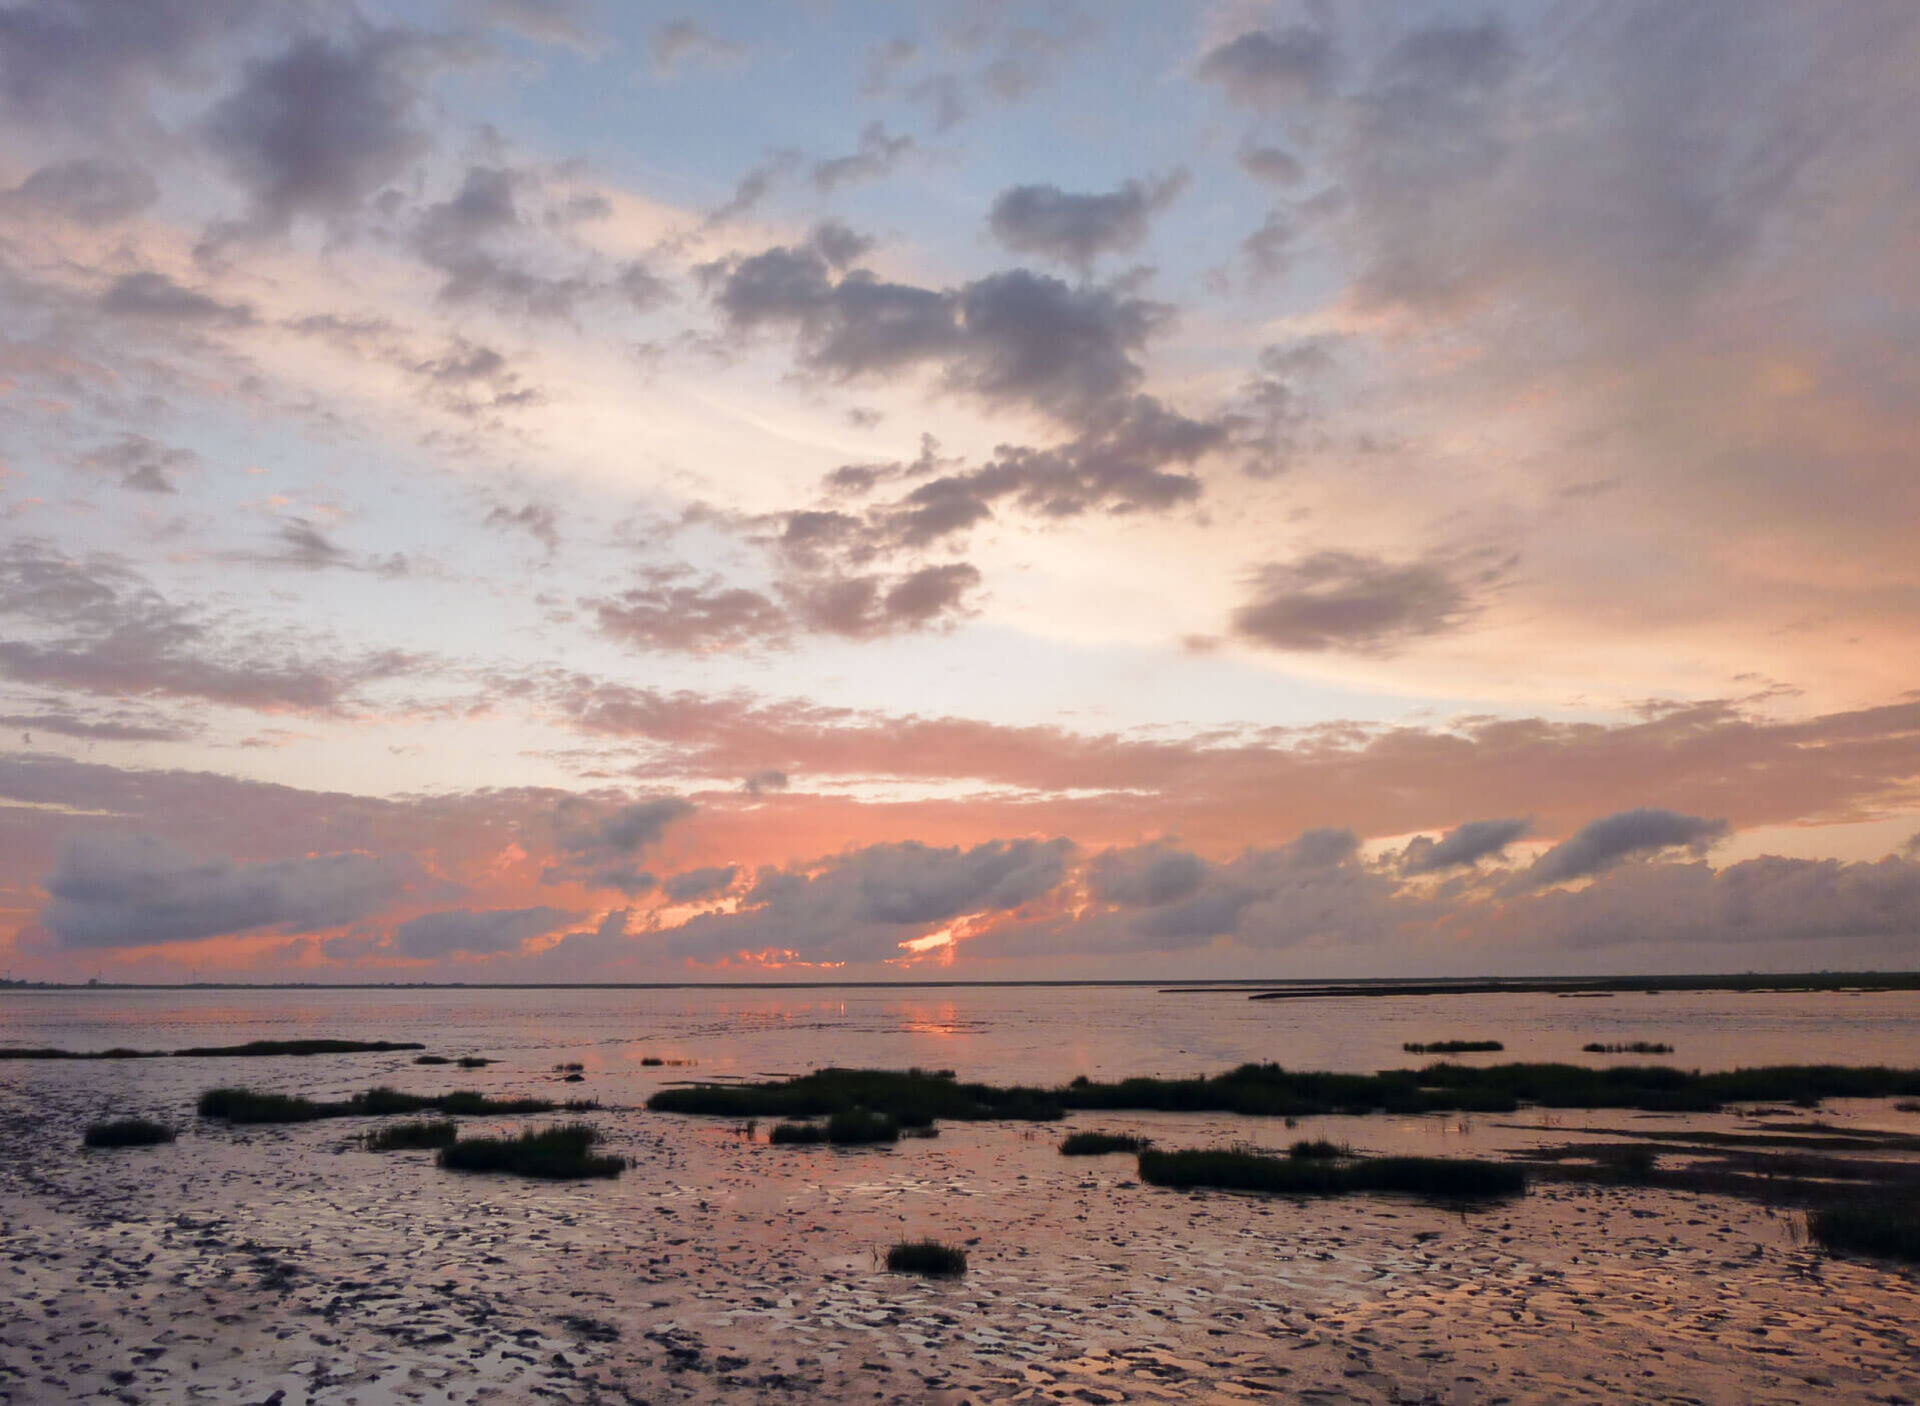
<point x="537" y="520"/>
<point x="1145" y="875"/>
<point x="463" y="930"/>
<point x="1274" y="68"/>
<point x="1077" y="228"/>
<point x="761" y="782"/>
<point x="1012" y="338"/>
<point x="86" y="190"/>
<point x="549" y="21"/>
<point x="861" y="906"/>
<point x="133" y="891"/>
<point x="683" y="43"/>
<point x="156" y="298"/>
<point x="140" y="463"/>
<point x="1601" y="844"/>
<point x="98" y="627"/>
<point x="598" y="846"/>
<point x="1271" y="164"/>
<point x="691" y="619"/>
<point x="1347" y="601"/>
<point x="707" y="882"/>
<point x="877" y="155"/>
<point x="1461" y="846"/>
<point x="92" y="63"/>
<point x="113" y="729"/>
<point x="319" y="127"/>
<point x="871" y="607"/>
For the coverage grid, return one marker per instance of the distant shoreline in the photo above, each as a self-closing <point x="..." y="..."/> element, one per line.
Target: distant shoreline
<point x="1287" y="988"/>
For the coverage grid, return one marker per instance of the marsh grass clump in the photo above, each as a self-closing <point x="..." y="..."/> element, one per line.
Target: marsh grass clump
<point x="1242" y="1169"/>
<point x="407" y="1137"/>
<point x="853" y="1126"/>
<point x="651" y="1061"/>
<point x="798" y="1134"/>
<point x="1318" y="1149"/>
<point x="431" y="1059"/>
<point x="1453" y="1047"/>
<point x="563" y="1152"/>
<point x="1890" y="1229"/>
<point x="911" y="1096"/>
<point x="927" y="1257"/>
<point x="1639" y="1047"/>
<point x="127" y="1132"/>
<point x="1097" y="1144"/>
<point x="474" y="1061"/>
<point x="249" y="1106"/>
<point x="251" y="1050"/>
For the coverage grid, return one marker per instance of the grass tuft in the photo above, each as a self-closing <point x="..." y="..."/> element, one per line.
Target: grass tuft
<point x="912" y="1096"/>
<point x="861" y="1125"/>
<point x="1318" y="1150"/>
<point x="1453" y="1047"/>
<point x="431" y="1059"/>
<point x="799" y="1134"/>
<point x="407" y="1137"/>
<point x="1648" y="1047"/>
<point x="248" y="1106"/>
<point x="1242" y="1169"/>
<point x="1096" y="1144"/>
<point x="559" y="1153"/>
<point x="127" y="1132"/>
<point x="928" y="1257"/>
<point x="1889" y="1229"/>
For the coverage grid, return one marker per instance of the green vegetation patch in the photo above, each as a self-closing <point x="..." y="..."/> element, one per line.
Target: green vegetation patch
<point x="127" y="1132"/>
<point x="1097" y="1144"/>
<point x="928" y="1257"/>
<point x="407" y="1137"/>
<point x="1241" y="1169"/>
<point x="563" y="1152"/>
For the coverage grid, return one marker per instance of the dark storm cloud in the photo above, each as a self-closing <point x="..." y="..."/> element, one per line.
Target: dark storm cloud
<point x="1011" y="338"/>
<point x="1077" y="228"/>
<point x="319" y="127"/>
<point x="860" y="906"/>
<point x="599" y="846"/>
<point x="1461" y="846"/>
<point x="1145" y="875"/>
<point x="96" y="626"/>
<point x="141" y="463"/>
<point x="89" y="192"/>
<point x="1267" y="68"/>
<point x="475" y="932"/>
<point x="129" y="891"/>
<point x="1348" y="601"/>
<point x="1603" y="843"/>
<point x="155" y="297"/>
<point x="694" y="884"/>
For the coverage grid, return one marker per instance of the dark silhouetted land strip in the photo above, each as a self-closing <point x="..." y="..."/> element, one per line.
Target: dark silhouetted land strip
<point x="254" y="1049"/>
<point x="1640" y="1047"/>
<point x="1453" y="1047"/>
<point x="560" y="1153"/>
<point x="127" y="1132"/>
<point x="1238" y="1169"/>
<point x="248" y="1106"/>
<point x="928" y="1257"/>
<point x="1888" y="1230"/>
<point x="1581" y="986"/>
<point x="1268" y="1090"/>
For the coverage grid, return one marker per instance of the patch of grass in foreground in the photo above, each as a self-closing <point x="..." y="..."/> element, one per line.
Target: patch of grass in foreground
<point x="406" y="1137"/>
<point x="861" y="1125"/>
<point x="928" y="1257"/>
<point x="127" y="1132"/>
<point x="1453" y="1047"/>
<point x="1239" y="1169"/>
<point x="1887" y="1229"/>
<point x="1096" y="1144"/>
<point x="1319" y="1149"/>
<point x="559" y="1153"/>
<point x="248" y="1106"/>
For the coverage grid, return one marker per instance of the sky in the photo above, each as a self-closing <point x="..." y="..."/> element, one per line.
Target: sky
<point x="537" y="490"/>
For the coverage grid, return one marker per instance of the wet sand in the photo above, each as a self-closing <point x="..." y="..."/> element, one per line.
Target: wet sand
<point x="286" y="1265"/>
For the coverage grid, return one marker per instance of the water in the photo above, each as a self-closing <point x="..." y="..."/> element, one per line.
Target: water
<point x="1031" y="1034"/>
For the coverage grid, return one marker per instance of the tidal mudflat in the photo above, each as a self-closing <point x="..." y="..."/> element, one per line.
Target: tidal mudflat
<point x="240" y="1261"/>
